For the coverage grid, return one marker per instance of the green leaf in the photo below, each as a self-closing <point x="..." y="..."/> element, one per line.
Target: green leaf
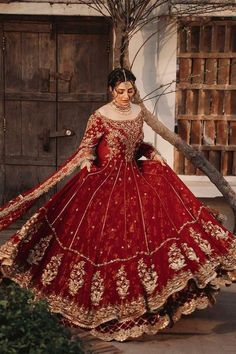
<point x="29" y="327"/>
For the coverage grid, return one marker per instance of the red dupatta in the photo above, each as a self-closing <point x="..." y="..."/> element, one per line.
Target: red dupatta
<point x="16" y="207"/>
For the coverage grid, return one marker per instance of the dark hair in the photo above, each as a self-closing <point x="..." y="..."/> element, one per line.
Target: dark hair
<point x="119" y="75"/>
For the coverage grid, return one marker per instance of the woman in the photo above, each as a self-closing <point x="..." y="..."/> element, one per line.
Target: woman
<point x="124" y="248"/>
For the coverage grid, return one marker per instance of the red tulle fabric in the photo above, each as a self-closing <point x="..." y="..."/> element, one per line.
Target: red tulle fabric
<point x="124" y="249"/>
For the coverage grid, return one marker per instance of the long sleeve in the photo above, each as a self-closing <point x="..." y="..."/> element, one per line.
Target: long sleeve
<point x="92" y="135"/>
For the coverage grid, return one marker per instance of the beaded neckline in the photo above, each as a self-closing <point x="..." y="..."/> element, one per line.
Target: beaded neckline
<point x="120" y="120"/>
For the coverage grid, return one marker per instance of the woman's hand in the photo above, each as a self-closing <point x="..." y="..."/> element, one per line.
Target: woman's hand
<point x="86" y="163"/>
<point x="159" y="158"/>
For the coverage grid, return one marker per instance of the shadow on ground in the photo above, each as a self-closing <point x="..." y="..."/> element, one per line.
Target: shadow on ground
<point x="208" y="331"/>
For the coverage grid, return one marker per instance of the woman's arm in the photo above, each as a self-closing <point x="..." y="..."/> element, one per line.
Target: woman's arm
<point x="150" y="152"/>
<point x="92" y="135"/>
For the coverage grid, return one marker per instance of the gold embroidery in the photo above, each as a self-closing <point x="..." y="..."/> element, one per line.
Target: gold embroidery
<point x="137" y="330"/>
<point x="124" y="135"/>
<point x="51" y="270"/>
<point x="214" y="230"/>
<point x="148" y="276"/>
<point x="129" y="310"/>
<point x="29" y="227"/>
<point x="32" y="231"/>
<point x="123" y="332"/>
<point x="37" y="253"/>
<point x="76" y="280"/>
<point x="203" y="244"/>
<point x="97" y="288"/>
<point x="8" y="252"/>
<point x="91" y="136"/>
<point x="176" y="258"/>
<point x="116" y="260"/>
<point x="190" y="253"/>
<point x="122" y="283"/>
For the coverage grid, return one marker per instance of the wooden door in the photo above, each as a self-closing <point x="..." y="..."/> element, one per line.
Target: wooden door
<point x="83" y="65"/>
<point x="52" y="84"/>
<point x="2" y="117"/>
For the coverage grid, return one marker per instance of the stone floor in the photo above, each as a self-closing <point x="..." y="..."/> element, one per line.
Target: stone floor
<point x="209" y="331"/>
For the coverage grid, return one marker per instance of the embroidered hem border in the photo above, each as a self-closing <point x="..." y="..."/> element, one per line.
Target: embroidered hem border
<point x="130" y="310"/>
<point x="163" y="322"/>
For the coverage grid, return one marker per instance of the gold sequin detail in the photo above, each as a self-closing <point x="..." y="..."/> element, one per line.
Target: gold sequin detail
<point x="124" y="136"/>
<point x="37" y="253"/>
<point x="122" y="283"/>
<point x="190" y="253"/>
<point x="148" y="276"/>
<point x="76" y="280"/>
<point x="204" y="245"/>
<point x="51" y="270"/>
<point x="29" y="228"/>
<point x="97" y="288"/>
<point x="175" y="258"/>
<point x="91" y="136"/>
<point x="214" y="230"/>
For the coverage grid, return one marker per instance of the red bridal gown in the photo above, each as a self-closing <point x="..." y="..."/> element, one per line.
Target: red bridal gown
<point x="124" y="249"/>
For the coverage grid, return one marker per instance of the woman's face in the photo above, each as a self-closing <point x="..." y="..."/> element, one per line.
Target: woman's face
<point x="123" y="92"/>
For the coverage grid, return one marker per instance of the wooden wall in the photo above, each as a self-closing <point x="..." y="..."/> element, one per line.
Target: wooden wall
<point x="206" y="92"/>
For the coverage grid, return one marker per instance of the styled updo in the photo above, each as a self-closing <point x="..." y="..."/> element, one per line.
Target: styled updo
<point x="119" y="75"/>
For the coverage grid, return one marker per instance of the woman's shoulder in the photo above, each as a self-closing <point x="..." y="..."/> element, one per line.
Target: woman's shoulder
<point x="136" y="108"/>
<point x="103" y="110"/>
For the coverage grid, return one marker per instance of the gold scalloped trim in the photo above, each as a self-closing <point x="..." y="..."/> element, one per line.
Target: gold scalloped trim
<point x="127" y="310"/>
<point x="146" y="328"/>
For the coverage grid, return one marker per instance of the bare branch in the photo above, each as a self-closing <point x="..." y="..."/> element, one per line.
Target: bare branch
<point x="163" y="93"/>
<point x="95" y="5"/>
<point x="143" y="44"/>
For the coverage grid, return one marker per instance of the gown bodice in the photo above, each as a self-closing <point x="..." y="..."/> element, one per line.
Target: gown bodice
<point x="122" y="138"/>
<point x="109" y="139"/>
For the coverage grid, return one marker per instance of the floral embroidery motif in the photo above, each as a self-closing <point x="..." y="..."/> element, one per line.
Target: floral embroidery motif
<point x="76" y="280"/>
<point x="176" y="258"/>
<point x="37" y="253"/>
<point x="97" y="288"/>
<point x="148" y="276"/>
<point x="122" y="283"/>
<point x="190" y="253"/>
<point x="203" y="244"/>
<point x="126" y="135"/>
<point x="51" y="270"/>
<point x="214" y="230"/>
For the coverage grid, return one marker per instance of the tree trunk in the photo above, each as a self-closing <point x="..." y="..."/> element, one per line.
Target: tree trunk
<point x="121" y="48"/>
